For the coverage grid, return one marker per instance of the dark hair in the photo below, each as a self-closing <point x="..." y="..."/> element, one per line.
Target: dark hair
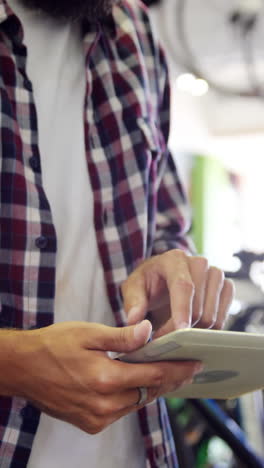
<point x="72" y="9"/>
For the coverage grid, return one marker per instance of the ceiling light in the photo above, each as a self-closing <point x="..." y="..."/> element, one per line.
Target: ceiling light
<point x="187" y="82"/>
<point x="200" y="87"/>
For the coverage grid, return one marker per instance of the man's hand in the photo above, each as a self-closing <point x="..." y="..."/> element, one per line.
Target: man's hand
<point x="180" y="291"/>
<point x="65" y="371"/>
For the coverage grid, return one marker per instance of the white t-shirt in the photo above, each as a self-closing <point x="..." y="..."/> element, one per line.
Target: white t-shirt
<point x="56" y="68"/>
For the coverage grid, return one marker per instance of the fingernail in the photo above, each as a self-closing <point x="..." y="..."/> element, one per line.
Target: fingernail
<point x="133" y="313"/>
<point x="143" y="330"/>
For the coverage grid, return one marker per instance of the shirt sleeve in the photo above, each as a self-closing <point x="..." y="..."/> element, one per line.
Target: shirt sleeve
<point x="173" y="218"/>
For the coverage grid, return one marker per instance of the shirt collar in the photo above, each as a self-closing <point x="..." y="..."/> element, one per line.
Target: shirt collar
<point x="117" y="24"/>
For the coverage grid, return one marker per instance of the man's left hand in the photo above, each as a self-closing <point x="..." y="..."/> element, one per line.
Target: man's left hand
<point x="178" y="291"/>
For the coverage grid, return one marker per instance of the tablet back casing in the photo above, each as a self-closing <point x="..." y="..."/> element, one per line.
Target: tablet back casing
<point x="233" y="361"/>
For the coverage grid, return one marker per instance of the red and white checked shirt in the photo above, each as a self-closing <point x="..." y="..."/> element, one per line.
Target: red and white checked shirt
<point x="139" y="206"/>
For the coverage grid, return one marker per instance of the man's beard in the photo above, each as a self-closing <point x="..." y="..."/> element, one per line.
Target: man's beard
<point x="93" y="10"/>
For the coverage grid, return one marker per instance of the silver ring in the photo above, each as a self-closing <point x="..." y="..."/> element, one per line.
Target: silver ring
<point x="143" y="395"/>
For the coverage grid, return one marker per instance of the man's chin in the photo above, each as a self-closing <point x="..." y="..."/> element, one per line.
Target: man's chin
<point x="72" y="10"/>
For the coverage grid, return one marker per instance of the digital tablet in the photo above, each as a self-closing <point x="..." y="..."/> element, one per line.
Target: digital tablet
<point x="233" y="361"/>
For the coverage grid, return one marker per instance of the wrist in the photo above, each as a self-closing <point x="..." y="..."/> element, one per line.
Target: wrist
<point x="14" y="351"/>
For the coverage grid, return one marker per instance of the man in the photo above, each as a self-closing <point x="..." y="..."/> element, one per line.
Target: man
<point x="88" y="193"/>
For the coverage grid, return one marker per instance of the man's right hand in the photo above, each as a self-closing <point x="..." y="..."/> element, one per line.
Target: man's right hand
<point x="65" y="371"/>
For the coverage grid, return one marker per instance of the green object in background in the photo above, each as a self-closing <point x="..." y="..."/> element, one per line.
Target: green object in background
<point x="197" y="199"/>
<point x="175" y="403"/>
<point x="202" y="456"/>
<point x="178" y="405"/>
<point x="209" y="181"/>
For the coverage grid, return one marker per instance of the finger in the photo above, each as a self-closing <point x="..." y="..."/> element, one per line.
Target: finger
<point x="214" y="285"/>
<point x="129" y="398"/>
<point x="128" y="401"/>
<point x="135" y="298"/>
<point x="124" y="412"/>
<point x="166" y="328"/>
<point x="128" y="375"/>
<point x="198" y="268"/>
<point x="226" y="298"/>
<point x="182" y="377"/>
<point x="159" y="317"/>
<point x="180" y="285"/>
<point x="117" y="402"/>
<point x="123" y="339"/>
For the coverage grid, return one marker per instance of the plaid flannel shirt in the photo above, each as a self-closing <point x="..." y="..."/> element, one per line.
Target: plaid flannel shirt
<point x="139" y="206"/>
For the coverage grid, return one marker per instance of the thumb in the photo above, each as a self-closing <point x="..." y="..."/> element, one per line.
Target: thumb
<point x="123" y="339"/>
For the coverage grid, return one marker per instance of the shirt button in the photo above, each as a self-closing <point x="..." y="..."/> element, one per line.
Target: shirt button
<point x="34" y="163"/>
<point x="41" y="242"/>
<point x="94" y="140"/>
<point x="92" y="143"/>
<point x="105" y="216"/>
<point x="108" y="216"/>
<point x="27" y="412"/>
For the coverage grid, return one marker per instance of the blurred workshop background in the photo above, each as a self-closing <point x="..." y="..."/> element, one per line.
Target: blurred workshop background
<point x="216" y="58"/>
